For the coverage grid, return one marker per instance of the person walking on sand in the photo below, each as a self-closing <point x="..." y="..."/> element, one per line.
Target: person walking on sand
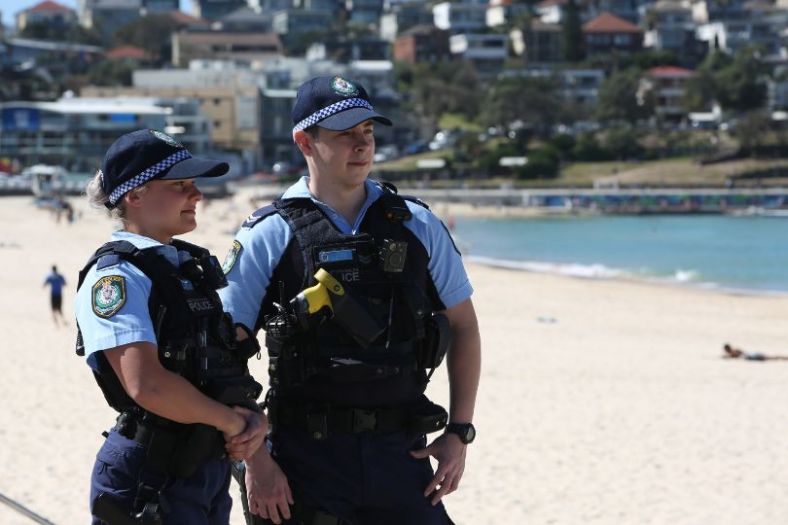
<point x="56" y="282"/>
<point x="153" y="331"/>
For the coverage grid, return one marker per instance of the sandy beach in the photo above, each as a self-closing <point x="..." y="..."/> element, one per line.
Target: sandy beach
<point x="601" y="402"/>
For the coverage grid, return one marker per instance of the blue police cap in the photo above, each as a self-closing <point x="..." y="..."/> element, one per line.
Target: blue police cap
<point x="333" y="103"/>
<point x="146" y="154"/>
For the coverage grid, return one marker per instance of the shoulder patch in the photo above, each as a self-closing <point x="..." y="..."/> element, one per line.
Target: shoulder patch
<point x="259" y="215"/>
<point x="108" y="295"/>
<point x="232" y="257"/>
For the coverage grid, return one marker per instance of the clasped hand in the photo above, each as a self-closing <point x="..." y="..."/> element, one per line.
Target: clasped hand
<point x="245" y="444"/>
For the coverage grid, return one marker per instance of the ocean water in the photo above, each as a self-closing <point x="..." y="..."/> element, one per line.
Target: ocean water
<point x="734" y="253"/>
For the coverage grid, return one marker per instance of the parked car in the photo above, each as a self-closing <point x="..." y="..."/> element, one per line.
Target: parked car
<point x="386" y="152"/>
<point x="416" y="147"/>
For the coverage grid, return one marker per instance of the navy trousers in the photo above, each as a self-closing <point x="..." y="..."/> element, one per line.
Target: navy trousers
<point x="201" y="499"/>
<point x="363" y="479"/>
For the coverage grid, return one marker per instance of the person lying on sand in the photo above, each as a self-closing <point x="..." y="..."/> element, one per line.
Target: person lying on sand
<point x="736" y="353"/>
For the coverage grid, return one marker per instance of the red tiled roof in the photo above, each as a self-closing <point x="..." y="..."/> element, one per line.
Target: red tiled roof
<point x="48" y="6"/>
<point x="127" y="52"/>
<point x="670" y="71"/>
<point x="609" y="23"/>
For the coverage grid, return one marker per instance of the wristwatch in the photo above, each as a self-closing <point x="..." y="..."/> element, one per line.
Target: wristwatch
<point x="465" y="431"/>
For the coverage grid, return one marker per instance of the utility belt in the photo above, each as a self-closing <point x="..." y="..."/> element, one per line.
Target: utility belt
<point x="321" y="421"/>
<point x="292" y="360"/>
<point x="173" y="449"/>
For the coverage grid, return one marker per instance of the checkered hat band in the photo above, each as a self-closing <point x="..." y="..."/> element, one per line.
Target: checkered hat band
<point x="327" y="111"/>
<point x="148" y="174"/>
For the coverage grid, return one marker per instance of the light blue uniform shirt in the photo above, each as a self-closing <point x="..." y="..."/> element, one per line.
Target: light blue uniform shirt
<point x="263" y="245"/>
<point x="132" y="322"/>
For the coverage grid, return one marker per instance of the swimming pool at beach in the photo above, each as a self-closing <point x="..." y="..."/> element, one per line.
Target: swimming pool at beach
<point x="745" y="253"/>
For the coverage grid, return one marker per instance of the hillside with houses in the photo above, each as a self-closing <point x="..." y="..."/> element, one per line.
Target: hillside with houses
<point x="519" y="90"/>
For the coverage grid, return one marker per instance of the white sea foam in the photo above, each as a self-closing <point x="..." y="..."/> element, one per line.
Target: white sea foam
<point x="589" y="271"/>
<point x="686" y="276"/>
<point x="681" y="277"/>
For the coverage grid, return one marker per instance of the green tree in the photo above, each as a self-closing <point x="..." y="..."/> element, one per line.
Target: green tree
<point x="434" y="89"/>
<point x="741" y="84"/>
<point x="110" y="73"/>
<point x="619" y="101"/>
<point x="153" y="33"/>
<point x="543" y="163"/>
<point x="622" y="143"/>
<point x="751" y="130"/>
<point x="517" y="101"/>
<point x="589" y="149"/>
<point x="572" y="34"/>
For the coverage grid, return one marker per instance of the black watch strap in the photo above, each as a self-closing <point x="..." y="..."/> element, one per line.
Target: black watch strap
<point x="465" y="431"/>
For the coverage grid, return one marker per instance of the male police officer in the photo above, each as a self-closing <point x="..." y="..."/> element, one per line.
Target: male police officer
<point x="360" y="292"/>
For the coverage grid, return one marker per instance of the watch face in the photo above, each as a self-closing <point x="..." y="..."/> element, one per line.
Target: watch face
<point x="465" y="431"/>
<point x="470" y="434"/>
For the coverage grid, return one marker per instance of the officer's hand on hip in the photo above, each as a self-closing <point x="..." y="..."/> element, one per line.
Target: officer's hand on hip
<point x="267" y="489"/>
<point x="245" y="444"/>
<point x="450" y="453"/>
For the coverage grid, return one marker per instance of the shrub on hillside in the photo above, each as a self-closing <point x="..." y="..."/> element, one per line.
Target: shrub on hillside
<point x="543" y="163"/>
<point x="588" y="149"/>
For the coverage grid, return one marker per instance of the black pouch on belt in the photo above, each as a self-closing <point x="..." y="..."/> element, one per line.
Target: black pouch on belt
<point x="437" y="338"/>
<point x="428" y="418"/>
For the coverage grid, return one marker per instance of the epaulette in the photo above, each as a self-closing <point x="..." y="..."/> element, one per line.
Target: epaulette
<point x="393" y="189"/>
<point x="415" y="200"/>
<point x="106" y="261"/>
<point x="259" y="215"/>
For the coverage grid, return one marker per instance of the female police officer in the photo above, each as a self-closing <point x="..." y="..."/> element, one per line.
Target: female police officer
<point x="162" y="351"/>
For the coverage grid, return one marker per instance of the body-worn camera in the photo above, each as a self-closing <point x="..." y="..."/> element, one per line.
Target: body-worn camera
<point x="392" y="255"/>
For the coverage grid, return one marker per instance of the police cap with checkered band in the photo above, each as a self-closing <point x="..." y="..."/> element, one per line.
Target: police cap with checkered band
<point x="147" y="154"/>
<point x="333" y="103"/>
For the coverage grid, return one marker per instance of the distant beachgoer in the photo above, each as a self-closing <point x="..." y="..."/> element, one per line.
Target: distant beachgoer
<point x="56" y="282"/>
<point x="737" y="353"/>
<point x="68" y="209"/>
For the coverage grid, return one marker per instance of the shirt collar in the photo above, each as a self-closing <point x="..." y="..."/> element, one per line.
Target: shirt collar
<point x="300" y="190"/>
<point x="143" y="243"/>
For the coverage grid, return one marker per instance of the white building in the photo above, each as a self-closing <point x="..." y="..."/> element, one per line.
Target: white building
<point x="459" y="17"/>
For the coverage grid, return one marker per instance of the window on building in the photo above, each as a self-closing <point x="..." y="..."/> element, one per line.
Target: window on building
<point x="622" y="40"/>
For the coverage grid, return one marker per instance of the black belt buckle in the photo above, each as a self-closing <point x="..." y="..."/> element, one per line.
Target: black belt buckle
<point x="317" y="426"/>
<point x="364" y="420"/>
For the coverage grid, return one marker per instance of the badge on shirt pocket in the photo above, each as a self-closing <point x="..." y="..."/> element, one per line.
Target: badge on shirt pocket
<point x="109" y="295"/>
<point x="232" y="256"/>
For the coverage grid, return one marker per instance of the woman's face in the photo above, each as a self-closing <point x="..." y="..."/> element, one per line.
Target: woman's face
<point x="167" y="208"/>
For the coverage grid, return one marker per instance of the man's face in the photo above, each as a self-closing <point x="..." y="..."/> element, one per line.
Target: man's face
<point x="345" y="156"/>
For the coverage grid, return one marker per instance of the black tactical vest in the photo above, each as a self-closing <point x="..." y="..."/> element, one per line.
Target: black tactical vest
<point x="327" y="364"/>
<point x="195" y="338"/>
